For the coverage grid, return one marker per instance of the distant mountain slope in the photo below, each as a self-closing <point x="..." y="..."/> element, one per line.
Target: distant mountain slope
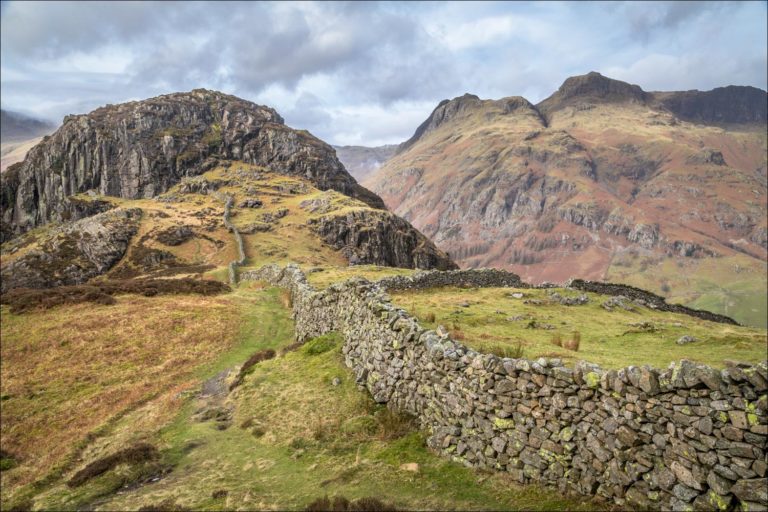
<point x="600" y="180"/>
<point x="15" y="152"/>
<point x="15" y="127"/>
<point x="361" y="161"/>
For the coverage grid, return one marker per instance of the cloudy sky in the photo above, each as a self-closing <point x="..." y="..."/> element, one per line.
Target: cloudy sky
<point x="365" y="73"/>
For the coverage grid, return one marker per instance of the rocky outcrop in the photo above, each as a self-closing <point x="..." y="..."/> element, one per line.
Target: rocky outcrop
<point x="378" y="237"/>
<point x="722" y="105"/>
<point x="449" y="110"/>
<point x="140" y="149"/>
<point x="688" y="437"/>
<point x="592" y="87"/>
<point x="647" y="298"/>
<point x="74" y="253"/>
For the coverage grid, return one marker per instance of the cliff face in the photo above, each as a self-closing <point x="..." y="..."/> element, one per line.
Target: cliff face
<point x="600" y="180"/>
<point x="380" y="238"/>
<point x="732" y="104"/>
<point x="140" y="149"/>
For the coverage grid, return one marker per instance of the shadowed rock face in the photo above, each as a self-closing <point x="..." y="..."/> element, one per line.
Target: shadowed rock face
<point x="380" y="238"/>
<point x="140" y="149"/>
<point x="732" y="104"/>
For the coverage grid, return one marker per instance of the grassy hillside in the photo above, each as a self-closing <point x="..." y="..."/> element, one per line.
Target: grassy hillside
<point x="734" y="286"/>
<point x="289" y="434"/>
<point x="182" y="234"/>
<point x="493" y="319"/>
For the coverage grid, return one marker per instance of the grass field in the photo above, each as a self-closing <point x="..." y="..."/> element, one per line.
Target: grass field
<point x="321" y="277"/>
<point x="294" y="435"/>
<point x="495" y="321"/>
<point x="69" y="370"/>
<point x="734" y="286"/>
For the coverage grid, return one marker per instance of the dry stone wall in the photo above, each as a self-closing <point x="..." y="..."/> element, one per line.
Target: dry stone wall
<point x="228" y="202"/>
<point x="684" y="438"/>
<point x="480" y="278"/>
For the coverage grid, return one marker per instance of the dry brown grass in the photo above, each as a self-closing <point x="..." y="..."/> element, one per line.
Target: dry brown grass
<point x="573" y="342"/>
<point x="429" y="317"/>
<point x="394" y="424"/>
<point x="286" y="299"/>
<point x="458" y="334"/>
<point x="342" y="504"/>
<point x="101" y="292"/>
<point x="67" y="371"/>
<point x="557" y="340"/>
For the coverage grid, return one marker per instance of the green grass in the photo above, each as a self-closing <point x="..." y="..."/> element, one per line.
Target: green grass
<point x="607" y="337"/>
<point x="325" y="276"/>
<point x="734" y="286"/>
<point x="295" y="437"/>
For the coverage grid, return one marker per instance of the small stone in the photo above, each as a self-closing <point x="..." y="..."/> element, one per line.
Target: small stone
<point x="336" y="381"/>
<point x="626" y="436"/>
<point x="705" y="425"/>
<point x="760" y="467"/>
<point x="684" y="475"/>
<point x="739" y="419"/>
<point x="726" y="472"/>
<point x="755" y="490"/>
<point x="684" y="493"/>
<point x="741" y="450"/>
<point x="719" y="484"/>
<point x="684" y="340"/>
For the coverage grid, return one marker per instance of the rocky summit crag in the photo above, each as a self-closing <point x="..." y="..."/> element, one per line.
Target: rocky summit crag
<point x="140" y="149"/>
<point x="602" y="180"/>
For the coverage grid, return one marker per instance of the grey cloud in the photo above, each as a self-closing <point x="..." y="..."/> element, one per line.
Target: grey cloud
<point x="647" y="19"/>
<point x="325" y="64"/>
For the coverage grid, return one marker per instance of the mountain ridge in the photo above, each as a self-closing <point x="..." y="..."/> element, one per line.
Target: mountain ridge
<point x="600" y="180"/>
<point x="707" y="107"/>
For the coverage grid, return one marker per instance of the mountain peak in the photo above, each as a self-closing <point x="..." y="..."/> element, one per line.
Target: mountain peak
<point x="140" y="149"/>
<point x="449" y="110"/>
<point x="593" y="87"/>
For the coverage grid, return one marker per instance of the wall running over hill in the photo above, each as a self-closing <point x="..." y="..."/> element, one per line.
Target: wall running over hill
<point x="228" y="202"/>
<point x="682" y="438"/>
